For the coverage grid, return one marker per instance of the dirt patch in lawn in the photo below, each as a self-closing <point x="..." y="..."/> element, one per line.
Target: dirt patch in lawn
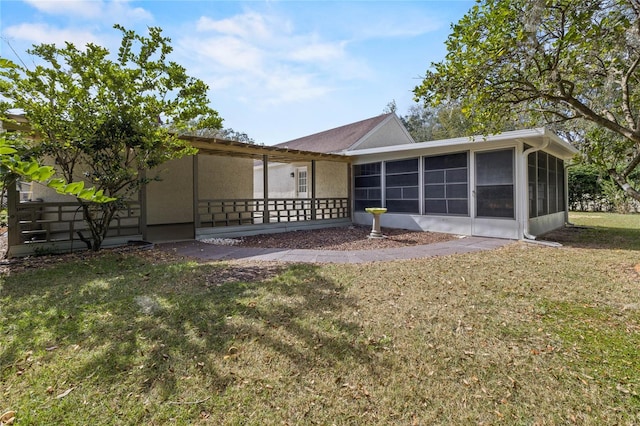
<point x="344" y="238"/>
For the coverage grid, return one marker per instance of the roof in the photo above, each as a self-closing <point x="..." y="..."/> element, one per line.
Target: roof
<point x="338" y="139"/>
<point x="538" y="138"/>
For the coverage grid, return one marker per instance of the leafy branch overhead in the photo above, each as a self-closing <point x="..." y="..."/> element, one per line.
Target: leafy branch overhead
<point x="108" y="118"/>
<point x="573" y="64"/>
<point x="31" y="170"/>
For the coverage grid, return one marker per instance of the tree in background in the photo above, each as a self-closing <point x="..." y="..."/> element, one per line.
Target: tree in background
<point x="226" y="133"/>
<point x="100" y="118"/>
<point x="436" y="122"/>
<point x="427" y="123"/>
<point x="570" y="63"/>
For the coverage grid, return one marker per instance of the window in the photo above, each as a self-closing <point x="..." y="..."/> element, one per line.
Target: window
<point x="302" y="181"/>
<point x="367" y="180"/>
<point x="542" y="183"/>
<point x="532" y="168"/>
<point x="446" y="184"/>
<point x="494" y="184"/>
<point x="546" y="184"/>
<point x="552" y="185"/>
<point x="401" y="186"/>
<point x="560" y="178"/>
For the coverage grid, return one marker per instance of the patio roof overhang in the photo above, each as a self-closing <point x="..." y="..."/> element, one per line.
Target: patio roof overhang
<point x="228" y="148"/>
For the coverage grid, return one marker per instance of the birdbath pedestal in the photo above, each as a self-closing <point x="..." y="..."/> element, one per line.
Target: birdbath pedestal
<point x="375" y="229"/>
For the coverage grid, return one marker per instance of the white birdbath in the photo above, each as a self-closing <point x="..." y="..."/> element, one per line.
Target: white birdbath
<point x="376" y="212"/>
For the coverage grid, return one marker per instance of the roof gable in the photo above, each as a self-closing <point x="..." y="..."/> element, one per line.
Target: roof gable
<point x="340" y="138"/>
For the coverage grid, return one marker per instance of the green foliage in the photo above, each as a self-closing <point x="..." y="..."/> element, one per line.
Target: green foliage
<point x="13" y="165"/>
<point x="589" y="190"/>
<point x="100" y="115"/>
<point x="569" y="63"/>
<point x="436" y="122"/>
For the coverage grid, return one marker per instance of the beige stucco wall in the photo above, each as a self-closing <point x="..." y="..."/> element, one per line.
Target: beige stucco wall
<point x="224" y="177"/>
<point x="38" y="191"/>
<point x="331" y="179"/>
<point x="170" y="200"/>
<point x="390" y="133"/>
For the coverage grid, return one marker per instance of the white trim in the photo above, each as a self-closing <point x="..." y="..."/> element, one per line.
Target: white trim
<point x="391" y="117"/>
<point x="534" y="137"/>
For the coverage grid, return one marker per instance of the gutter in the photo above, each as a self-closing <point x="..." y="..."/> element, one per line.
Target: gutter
<point x="525" y="197"/>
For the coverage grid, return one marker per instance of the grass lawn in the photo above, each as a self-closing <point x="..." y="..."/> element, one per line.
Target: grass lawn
<point x="527" y="334"/>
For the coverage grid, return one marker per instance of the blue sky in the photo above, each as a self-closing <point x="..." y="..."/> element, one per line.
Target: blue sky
<point x="277" y="70"/>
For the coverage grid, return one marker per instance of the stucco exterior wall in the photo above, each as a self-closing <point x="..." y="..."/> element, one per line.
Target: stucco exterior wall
<point x="170" y="200"/>
<point x="331" y="179"/>
<point x="224" y="177"/>
<point x="38" y="192"/>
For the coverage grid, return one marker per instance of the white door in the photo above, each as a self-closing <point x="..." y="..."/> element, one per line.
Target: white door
<point x="302" y="182"/>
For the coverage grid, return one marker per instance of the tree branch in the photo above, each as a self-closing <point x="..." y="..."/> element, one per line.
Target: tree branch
<point x="626" y="98"/>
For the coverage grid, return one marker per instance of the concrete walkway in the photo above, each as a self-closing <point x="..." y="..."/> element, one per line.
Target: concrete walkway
<point x="204" y="251"/>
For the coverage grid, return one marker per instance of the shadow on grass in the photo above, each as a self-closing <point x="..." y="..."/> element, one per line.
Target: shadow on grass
<point x="120" y="321"/>
<point x="596" y="237"/>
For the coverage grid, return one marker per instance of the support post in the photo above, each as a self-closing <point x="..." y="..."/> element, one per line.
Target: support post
<point x="196" y="196"/>
<point x="265" y="186"/>
<point x="313" y="190"/>
<point x="350" y="191"/>
<point x="13" y="238"/>
<point x="142" y="199"/>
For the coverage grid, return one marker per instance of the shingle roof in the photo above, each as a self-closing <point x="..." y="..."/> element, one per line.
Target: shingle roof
<point x="335" y="140"/>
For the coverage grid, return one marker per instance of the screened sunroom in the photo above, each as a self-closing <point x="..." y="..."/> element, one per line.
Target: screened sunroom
<point x="511" y="185"/>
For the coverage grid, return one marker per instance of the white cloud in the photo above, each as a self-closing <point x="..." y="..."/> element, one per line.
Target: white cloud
<point x="43" y="33"/>
<point x="318" y="52"/>
<point x="103" y="10"/>
<point x="83" y="8"/>
<point x="251" y="26"/>
<point x="228" y="53"/>
<point x="265" y="58"/>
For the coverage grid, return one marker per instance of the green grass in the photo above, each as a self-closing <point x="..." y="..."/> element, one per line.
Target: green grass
<point x="527" y="334"/>
<point x="609" y="230"/>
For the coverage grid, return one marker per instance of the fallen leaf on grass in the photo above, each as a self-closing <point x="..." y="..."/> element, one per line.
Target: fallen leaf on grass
<point x="8" y="418"/>
<point x="65" y="393"/>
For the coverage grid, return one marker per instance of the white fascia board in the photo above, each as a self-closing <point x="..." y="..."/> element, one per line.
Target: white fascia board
<point x="529" y="136"/>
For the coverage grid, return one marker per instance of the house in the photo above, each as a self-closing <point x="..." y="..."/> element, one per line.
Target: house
<point x="511" y="185"/>
<point x="293" y="180"/>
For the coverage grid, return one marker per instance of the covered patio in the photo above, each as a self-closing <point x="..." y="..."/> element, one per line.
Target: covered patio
<point x="207" y="195"/>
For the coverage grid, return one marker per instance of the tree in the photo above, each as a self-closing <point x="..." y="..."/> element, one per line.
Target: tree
<point x="100" y="116"/>
<point x="436" y="122"/>
<point x="569" y="63"/>
<point x="226" y="133"/>
<point x="13" y="166"/>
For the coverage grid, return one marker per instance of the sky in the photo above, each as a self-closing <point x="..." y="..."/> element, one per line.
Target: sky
<point x="276" y="70"/>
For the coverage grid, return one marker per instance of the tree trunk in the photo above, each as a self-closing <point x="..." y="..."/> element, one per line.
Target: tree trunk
<point x="98" y="223"/>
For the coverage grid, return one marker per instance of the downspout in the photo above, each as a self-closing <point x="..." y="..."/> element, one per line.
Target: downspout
<point x="525" y="198"/>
